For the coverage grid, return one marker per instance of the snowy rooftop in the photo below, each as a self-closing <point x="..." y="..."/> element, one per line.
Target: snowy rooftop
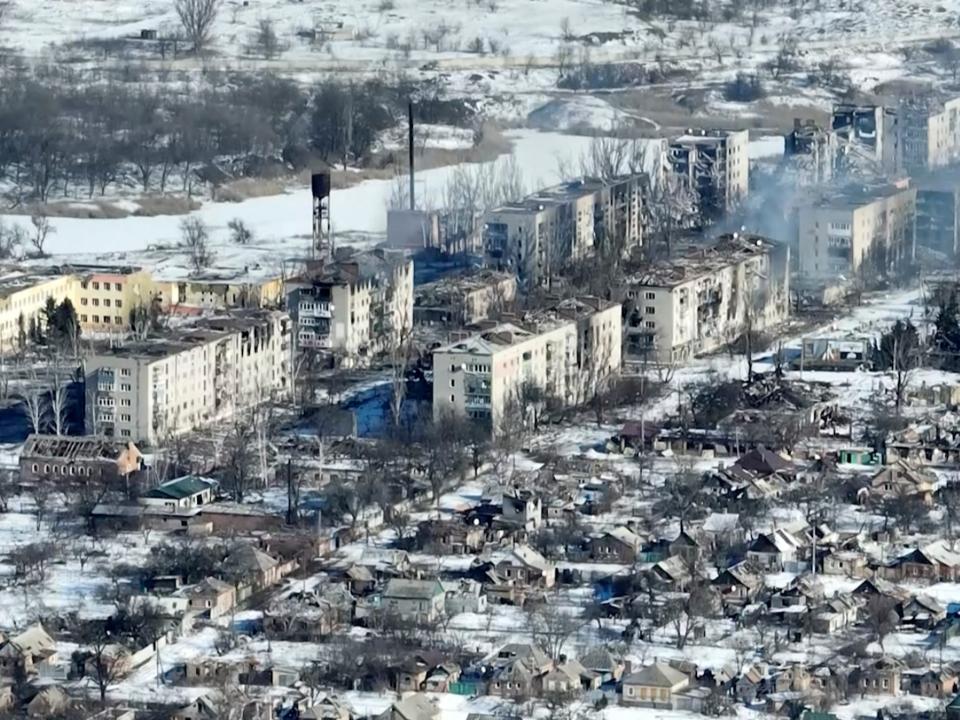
<point x="701" y="262"/>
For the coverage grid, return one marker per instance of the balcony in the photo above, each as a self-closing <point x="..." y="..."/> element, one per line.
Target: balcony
<point x="316" y="309"/>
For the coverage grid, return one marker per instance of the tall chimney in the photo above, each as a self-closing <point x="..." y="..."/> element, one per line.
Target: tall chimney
<point x="413" y="204"/>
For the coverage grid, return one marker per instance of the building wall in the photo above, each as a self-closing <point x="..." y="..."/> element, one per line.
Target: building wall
<point x="103" y="300"/>
<point x="29" y="301"/>
<point x="938" y="219"/>
<point x="358" y="319"/>
<point x="537" y="240"/>
<point x="706" y="313"/>
<point x="738" y="167"/>
<point x="565" y="361"/>
<point x="836" y="241"/>
<point x="145" y="397"/>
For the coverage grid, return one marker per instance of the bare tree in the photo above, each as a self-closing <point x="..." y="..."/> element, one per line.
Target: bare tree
<point x="240" y="233"/>
<point x="552" y="624"/>
<point x="265" y="41"/>
<point x="684" y="614"/>
<point x="881" y="617"/>
<point x="107" y="661"/>
<point x="196" y="238"/>
<point x="34" y="403"/>
<point x="237" y="463"/>
<point x="59" y="400"/>
<point x="671" y="206"/>
<point x="42" y="228"/>
<point x="197" y="18"/>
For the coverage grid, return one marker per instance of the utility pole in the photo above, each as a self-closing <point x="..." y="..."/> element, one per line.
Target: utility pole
<point x="413" y="204"/>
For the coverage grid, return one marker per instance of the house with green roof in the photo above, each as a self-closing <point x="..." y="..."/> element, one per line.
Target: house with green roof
<point x="180" y="495"/>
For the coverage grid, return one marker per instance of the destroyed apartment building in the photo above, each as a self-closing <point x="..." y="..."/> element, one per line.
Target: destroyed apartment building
<point x="769" y="412"/>
<point x="565" y="351"/>
<point x="715" y="164"/>
<point x="809" y="152"/>
<point x="452" y="231"/>
<point x="354" y="304"/>
<point x="934" y="440"/>
<point x="464" y="299"/>
<point x="143" y="390"/>
<point x="866" y="140"/>
<point x="536" y="236"/>
<point x="707" y="298"/>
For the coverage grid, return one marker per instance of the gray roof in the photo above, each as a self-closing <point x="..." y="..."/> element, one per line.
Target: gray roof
<point x="656" y="675"/>
<point x="413" y="589"/>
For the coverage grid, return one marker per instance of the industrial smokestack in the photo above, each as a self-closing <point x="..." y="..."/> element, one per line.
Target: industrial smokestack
<point x="413" y="204"/>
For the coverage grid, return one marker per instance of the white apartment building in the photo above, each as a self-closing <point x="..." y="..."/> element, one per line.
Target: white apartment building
<point x="354" y="306"/>
<point x="868" y="230"/>
<point x="145" y="390"/>
<point x="930" y="132"/>
<point x="716" y="165"/>
<point x="538" y="235"/>
<point x="707" y="299"/>
<point x="567" y="351"/>
<point x="23" y="296"/>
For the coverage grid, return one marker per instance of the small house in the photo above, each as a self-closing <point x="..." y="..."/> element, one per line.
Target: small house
<point x="655" y="686"/>
<point x="415" y="600"/>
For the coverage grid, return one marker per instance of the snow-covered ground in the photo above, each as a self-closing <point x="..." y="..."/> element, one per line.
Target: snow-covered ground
<point x="282" y="224"/>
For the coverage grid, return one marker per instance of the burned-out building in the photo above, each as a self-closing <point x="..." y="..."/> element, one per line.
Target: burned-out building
<point x="809" y="152"/>
<point x="77" y="459"/>
<point x="867" y="139"/>
<point x="707" y="298"/>
<point x="564" y="350"/>
<point x="535" y="237"/>
<point x="353" y="304"/>
<point x="715" y="164"/>
<point x="465" y="299"/>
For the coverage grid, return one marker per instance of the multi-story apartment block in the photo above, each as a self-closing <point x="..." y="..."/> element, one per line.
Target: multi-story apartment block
<point x="708" y="298"/>
<point x="867" y="139"/>
<point x="241" y="290"/>
<point x="145" y="390"/>
<point x="104" y="296"/>
<point x="355" y="305"/>
<point x="809" y="152"/>
<point x="868" y="230"/>
<point x="538" y="235"/>
<point x="716" y="165"/>
<point x="938" y="212"/>
<point x="566" y="351"/>
<point x="930" y="132"/>
<point x="24" y="295"/>
<point x="464" y="300"/>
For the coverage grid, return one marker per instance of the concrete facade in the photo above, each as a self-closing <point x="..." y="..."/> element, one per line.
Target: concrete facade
<point x="145" y="390"/>
<point x="565" y="353"/>
<point x="354" y="306"/>
<point x="716" y="165"/>
<point x="707" y="299"/>
<point x="857" y="230"/>
<point x="537" y="236"/>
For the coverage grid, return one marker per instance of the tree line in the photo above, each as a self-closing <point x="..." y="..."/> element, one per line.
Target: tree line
<point x="62" y="139"/>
